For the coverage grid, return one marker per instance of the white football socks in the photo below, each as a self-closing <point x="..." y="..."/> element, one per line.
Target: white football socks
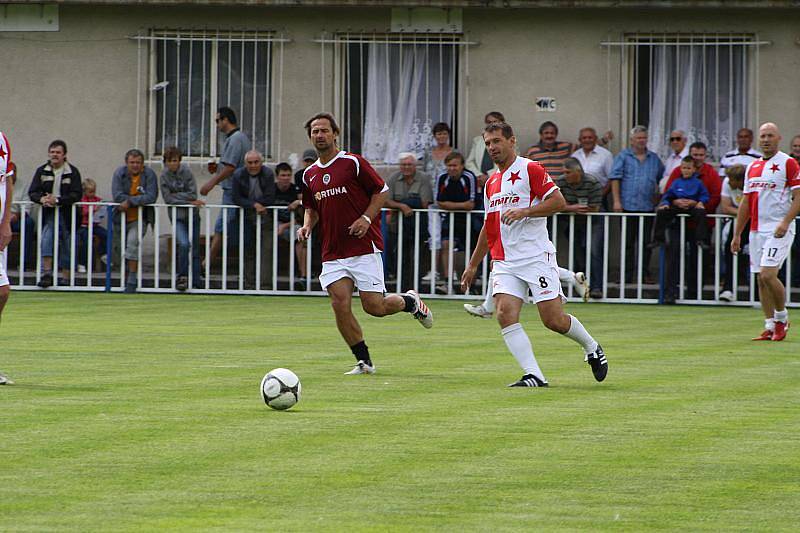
<point x="769" y="324"/>
<point x="566" y="276"/>
<point x="579" y="334"/>
<point x="520" y="347"/>
<point x="488" y="302"/>
<point x="781" y="316"/>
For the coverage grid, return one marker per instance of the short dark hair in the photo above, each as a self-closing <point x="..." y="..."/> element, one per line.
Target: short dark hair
<point x="496" y="114"/>
<point x="454" y="155"/>
<point x="133" y="152"/>
<point x="442" y="126"/>
<point x="688" y="159"/>
<point x="283" y="167"/>
<point x="748" y="130"/>
<point x="172" y="152"/>
<point x="58" y="142"/>
<point x="328" y="116"/>
<point x="698" y="144"/>
<point x="505" y="129"/>
<point x="548" y="124"/>
<point x="228" y="114"/>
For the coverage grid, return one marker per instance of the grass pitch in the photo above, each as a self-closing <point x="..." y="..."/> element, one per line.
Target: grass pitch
<point x="142" y="413"/>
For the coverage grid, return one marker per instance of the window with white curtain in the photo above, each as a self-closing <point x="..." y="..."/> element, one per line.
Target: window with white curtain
<point x="700" y="84"/>
<point x="194" y="73"/>
<point x="396" y="87"/>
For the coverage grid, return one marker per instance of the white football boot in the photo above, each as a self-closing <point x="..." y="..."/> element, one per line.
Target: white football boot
<point x="361" y="368"/>
<point x="478" y="310"/>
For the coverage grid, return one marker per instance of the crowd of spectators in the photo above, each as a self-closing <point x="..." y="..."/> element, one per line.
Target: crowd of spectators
<point x="443" y="186"/>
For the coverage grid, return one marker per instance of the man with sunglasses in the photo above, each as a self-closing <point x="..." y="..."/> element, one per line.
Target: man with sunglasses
<point x="677" y="151"/>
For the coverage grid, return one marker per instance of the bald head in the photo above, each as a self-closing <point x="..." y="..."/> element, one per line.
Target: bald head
<point x="253" y="160"/>
<point x="769" y="138"/>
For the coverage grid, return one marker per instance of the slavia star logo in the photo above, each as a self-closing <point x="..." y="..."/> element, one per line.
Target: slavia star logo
<point x="774" y="168"/>
<point x="514" y="177"/>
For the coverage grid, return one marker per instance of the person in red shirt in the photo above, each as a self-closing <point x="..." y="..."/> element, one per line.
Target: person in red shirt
<point x="344" y="195"/>
<point x="708" y="176"/>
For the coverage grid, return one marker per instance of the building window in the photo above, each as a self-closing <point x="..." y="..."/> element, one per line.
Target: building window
<point x="700" y="84"/>
<point x="395" y="88"/>
<point x="194" y="73"/>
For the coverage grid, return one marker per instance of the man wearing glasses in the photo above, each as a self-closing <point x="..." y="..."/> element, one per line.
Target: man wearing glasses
<point x="677" y="151"/>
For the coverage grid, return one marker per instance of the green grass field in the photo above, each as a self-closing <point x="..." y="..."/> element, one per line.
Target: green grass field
<point x="143" y="413"/>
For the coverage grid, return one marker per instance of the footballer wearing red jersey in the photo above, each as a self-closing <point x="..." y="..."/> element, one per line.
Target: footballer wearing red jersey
<point x="518" y="198"/>
<point x="343" y="195"/>
<point x="6" y="194"/>
<point x="771" y="203"/>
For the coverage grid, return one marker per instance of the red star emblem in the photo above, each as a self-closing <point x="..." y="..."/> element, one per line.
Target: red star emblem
<point x="2" y="153"/>
<point x="774" y="167"/>
<point x="514" y="177"/>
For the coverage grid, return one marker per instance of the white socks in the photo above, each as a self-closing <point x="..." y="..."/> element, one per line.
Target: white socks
<point x="579" y="334"/>
<point x="520" y="347"/>
<point x="566" y="276"/>
<point x="781" y="316"/>
<point x="769" y="323"/>
<point x="488" y="302"/>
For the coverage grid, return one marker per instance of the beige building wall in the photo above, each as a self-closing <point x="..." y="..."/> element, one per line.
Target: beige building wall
<point x="80" y="84"/>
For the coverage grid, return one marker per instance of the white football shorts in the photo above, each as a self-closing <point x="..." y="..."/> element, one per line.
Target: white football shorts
<point x="766" y="250"/>
<point x="365" y="270"/>
<point x="3" y="275"/>
<point x="538" y="275"/>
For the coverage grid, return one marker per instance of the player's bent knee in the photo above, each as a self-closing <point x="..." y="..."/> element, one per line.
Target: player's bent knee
<point x="557" y="323"/>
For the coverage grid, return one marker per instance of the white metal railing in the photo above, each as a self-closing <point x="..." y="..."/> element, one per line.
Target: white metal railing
<point x="602" y="246"/>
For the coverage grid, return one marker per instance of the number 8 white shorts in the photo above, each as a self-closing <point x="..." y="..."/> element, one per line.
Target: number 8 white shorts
<point x="539" y="275"/>
<point x="766" y="250"/>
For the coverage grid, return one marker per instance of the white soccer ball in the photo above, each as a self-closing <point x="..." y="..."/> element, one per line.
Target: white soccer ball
<point x="280" y="389"/>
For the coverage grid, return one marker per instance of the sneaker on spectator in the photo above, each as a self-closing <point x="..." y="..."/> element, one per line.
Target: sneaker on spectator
<point x="596" y="293"/>
<point x="130" y="286"/>
<point x="430" y="276"/>
<point x="726" y="296"/>
<point x="581" y="285"/>
<point x="81" y="269"/>
<point x="45" y="281"/>
<point x="182" y="283"/>
<point x="477" y="310"/>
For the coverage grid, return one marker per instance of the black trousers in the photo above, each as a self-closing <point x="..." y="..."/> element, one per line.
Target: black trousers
<point x="665" y="216"/>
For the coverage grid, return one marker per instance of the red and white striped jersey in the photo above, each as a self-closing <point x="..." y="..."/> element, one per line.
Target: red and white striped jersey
<point x="768" y="186"/>
<point x="525" y="183"/>
<point x="5" y="159"/>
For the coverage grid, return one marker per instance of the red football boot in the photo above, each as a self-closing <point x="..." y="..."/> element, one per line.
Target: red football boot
<point x="766" y="335"/>
<point x="780" y="330"/>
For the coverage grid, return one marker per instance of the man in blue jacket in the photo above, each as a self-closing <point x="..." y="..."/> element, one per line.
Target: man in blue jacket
<point x="134" y="186"/>
<point x="687" y="196"/>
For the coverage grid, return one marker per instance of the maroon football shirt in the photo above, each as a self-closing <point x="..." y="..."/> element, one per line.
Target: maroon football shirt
<point x="340" y="192"/>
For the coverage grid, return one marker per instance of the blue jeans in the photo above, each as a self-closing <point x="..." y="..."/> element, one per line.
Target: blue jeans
<point x="48" y="236"/>
<point x="183" y="244"/>
<point x="83" y="244"/>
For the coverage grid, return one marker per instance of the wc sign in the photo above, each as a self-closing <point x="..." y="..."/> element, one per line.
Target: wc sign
<point x="545" y="103"/>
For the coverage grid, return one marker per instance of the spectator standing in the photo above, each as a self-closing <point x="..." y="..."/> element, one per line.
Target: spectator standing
<point x="634" y="183"/>
<point x="98" y="231"/>
<point x="550" y="152"/>
<point x="178" y="187"/>
<point x="409" y="189"/>
<point x="309" y="156"/>
<point x="730" y="198"/>
<point x="289" y="195"/>
<point x="232" y="159"/>
<point x="455" y="192"/>
<point x="133" y="186"/>
<point x="18" y="210"/>
<point x="433" y="165"/>
<point x="677" y="151"/>
<point x="56" y="185"/>
<point x="433" y="160"/>
<point x="709" y="177"/>
<point x="478" y="162"/>
<point x="583" y="194"/>
<point x="744" y="153"/>
<point x="254" y="190"/>
<point x="595" y="160"/>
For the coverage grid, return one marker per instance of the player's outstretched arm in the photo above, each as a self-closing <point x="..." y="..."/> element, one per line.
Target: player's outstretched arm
<point x="310" y="219"/>
<point x="742" y="216"/>
<point x="481" y="248"/>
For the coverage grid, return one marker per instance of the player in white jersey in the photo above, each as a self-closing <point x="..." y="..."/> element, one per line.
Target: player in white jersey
<point x="518" y="198"/>
<point x="6" y="194"/>
<point x="771" y="203"/>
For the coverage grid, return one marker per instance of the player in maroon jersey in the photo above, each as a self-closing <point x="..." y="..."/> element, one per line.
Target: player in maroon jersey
<point x="344" y="195"/>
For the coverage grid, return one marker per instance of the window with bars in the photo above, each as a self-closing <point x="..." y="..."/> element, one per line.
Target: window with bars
<point x="395" y="88"/>
<point x="194" y="73"/>
<point x="700" y="84"/>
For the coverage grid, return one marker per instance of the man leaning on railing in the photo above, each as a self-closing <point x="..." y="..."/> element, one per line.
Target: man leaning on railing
<point x="133" y="186"/>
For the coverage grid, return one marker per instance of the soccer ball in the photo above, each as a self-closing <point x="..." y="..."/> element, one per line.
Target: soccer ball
<point x="280" y="389"/>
